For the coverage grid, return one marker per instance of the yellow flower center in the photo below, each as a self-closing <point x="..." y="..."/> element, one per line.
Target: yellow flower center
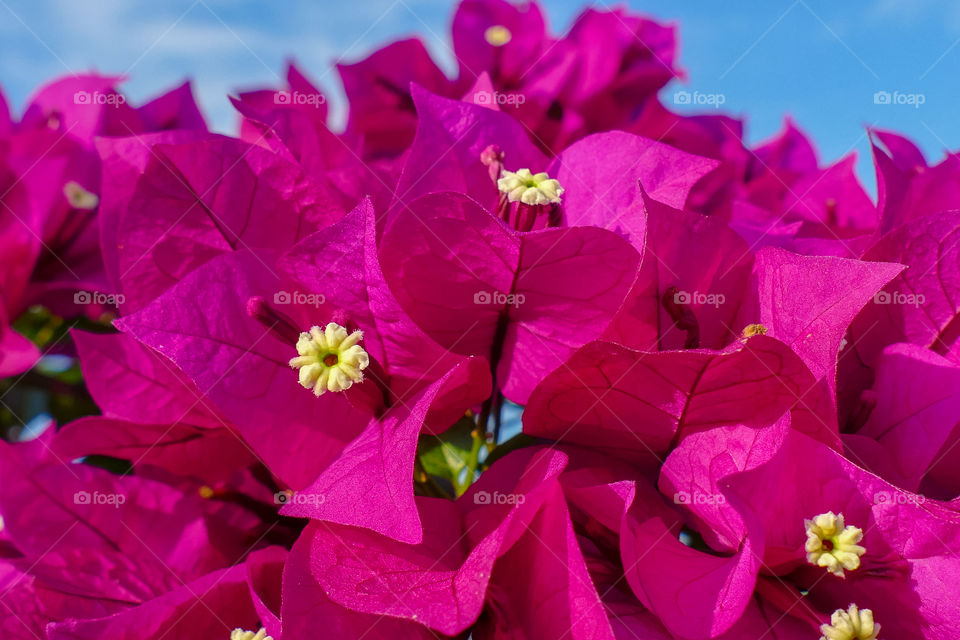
<point x="832" y="545"/>
<point x="528" y="188"/>
<point x="754" y="330"/>
<point x="80" y="198"/>
<point x="330" y="359"/>
<point x="240" y="634"/>
<point x="497" y="35"/>
<point x="852" y="624"/>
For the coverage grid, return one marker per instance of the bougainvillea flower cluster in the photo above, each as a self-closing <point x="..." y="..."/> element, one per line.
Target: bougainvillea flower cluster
<point x="517" y="354"/>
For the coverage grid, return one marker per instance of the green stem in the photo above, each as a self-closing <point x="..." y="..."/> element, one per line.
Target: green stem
<point x="473" y="460"/>
<point x="516" y="442"/>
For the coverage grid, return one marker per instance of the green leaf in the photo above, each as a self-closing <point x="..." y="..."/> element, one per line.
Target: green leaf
<point x="447" y="454"/>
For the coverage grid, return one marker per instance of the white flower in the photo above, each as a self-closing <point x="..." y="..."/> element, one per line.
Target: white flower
<point x="528" y="188"/>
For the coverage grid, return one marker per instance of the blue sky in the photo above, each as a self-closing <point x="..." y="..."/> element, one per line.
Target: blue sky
<point x="821" y="61"/>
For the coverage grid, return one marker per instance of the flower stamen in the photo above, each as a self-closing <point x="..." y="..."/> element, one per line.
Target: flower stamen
<point x="528" y="188"/>
<point x="497" y="35"/>
<point x="832" y="545"/>
<point x="755" y="329"/>
<point x="80" y="198"/>
<point x="240" y="634"/>
<point x="330" y="359"/>
<point x="852" y="624"/>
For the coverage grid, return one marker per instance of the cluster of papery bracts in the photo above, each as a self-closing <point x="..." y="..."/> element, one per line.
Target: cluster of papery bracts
<point x="740" y="377"/>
